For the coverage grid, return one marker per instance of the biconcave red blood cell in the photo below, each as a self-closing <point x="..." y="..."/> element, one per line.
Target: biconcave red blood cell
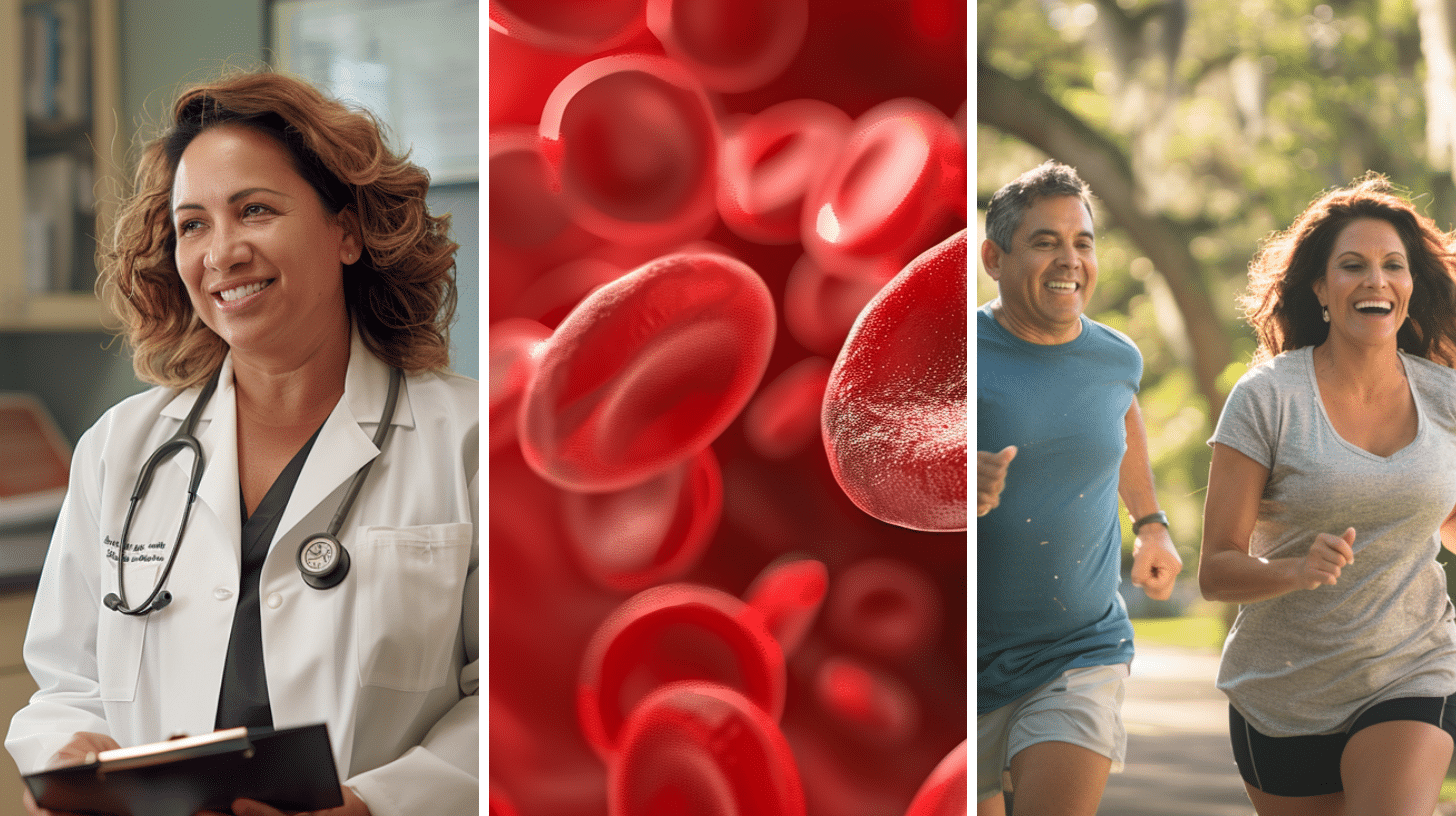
<point x="891" y="191"/>
<point x="884" y="606"/>
<point x="580" y="26"/>
<point x="733" y="45"/>
<point x="783" y="418"/>
<point x="647" y="371"/>
<point x="788" y="596"/>
<point x="702" y="749"/>
<point x="820" y="306"/>
<point x="633" y="142"/>
<point x="515" y="344"/>
<point x="675" y="632"/>
<point x="894" y="416"/>
<point x="771" y="161"/>
<point x="651" y="532"/>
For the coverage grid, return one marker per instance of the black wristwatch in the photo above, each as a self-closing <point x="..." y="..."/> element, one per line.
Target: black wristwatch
<point x="1152" y="518"/>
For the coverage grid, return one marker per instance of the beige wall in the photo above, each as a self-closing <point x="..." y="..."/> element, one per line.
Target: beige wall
<point x="15" y="687"/>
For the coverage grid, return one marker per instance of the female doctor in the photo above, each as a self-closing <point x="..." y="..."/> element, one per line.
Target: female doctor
<point x="275" y="267"/>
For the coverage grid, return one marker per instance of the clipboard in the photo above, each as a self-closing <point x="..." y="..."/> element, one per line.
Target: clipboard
<point x="291" y="769"/>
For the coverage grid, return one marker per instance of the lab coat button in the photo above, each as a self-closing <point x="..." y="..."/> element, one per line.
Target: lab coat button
<point x="275" y="600"/>
<point x="222" y="593"/>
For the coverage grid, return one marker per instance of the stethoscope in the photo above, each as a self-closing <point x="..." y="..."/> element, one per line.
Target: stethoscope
<point x="322" y="559"/>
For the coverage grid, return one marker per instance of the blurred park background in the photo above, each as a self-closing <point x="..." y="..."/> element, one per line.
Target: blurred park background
<point x="1202" y="128"/>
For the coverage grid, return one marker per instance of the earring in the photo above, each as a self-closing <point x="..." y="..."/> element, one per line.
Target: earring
<point x="1325" y="313"/>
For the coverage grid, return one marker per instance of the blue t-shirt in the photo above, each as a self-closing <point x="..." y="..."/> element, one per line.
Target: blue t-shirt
<point x="1049" y="556"/>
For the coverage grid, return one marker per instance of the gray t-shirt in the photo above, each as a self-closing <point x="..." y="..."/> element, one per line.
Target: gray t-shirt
<point x="1310" y="661"/>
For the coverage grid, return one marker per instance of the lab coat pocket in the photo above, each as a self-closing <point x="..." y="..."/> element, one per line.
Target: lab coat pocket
<point x="120" y="638"/>
<point x="412" y="582"/>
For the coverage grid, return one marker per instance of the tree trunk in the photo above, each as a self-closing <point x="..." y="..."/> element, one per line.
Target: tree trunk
<point x="1020" y="108"/>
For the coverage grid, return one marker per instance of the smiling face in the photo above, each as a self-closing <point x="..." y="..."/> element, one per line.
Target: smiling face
<point x="1367" y="283"/>
<point x="1046" y="278"/>
<point x="261" y="257"/>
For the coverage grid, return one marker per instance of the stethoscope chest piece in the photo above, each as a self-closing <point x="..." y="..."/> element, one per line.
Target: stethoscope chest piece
<point x="322" y="561"/>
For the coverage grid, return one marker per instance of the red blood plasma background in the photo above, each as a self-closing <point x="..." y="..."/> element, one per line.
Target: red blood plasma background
<point x="701" y="213"/>
<point x="944" y="791"/>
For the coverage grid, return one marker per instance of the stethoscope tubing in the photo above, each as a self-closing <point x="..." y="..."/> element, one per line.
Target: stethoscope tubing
<point x="186" y="438"/>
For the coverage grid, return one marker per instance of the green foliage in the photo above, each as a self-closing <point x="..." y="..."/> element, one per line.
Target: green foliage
<point x="1268" y="103"/>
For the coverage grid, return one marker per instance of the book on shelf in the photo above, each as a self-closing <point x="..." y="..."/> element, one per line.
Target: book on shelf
<point x="291" y="769"/>
<point x="51" y="182"/>
<point x="56" y="61"/>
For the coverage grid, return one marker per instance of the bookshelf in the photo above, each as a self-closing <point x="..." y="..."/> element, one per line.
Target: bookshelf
<point x="58" y="143"/>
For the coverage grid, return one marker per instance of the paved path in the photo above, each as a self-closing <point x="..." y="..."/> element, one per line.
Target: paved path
<point x="1178" y="757"/>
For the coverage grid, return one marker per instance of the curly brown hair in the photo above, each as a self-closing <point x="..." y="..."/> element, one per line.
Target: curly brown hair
<point x="1280" y="303"/>
<point x="400" y="294"/>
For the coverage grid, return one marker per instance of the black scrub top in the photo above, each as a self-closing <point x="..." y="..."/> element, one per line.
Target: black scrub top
<point x="244" y="696"/>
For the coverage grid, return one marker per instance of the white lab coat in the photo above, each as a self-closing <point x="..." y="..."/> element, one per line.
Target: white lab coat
<point x="389" y="658"/>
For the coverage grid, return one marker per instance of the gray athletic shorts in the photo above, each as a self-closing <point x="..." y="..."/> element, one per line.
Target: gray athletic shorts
<point x="1082" y="707"/>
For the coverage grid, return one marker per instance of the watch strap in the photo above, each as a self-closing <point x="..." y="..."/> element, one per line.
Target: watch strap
<point x="1152" y="518"/>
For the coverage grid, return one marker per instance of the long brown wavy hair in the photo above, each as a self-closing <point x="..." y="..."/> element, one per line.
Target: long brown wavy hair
<point x="1280" y="303"/>
<point x="400" y="293"/>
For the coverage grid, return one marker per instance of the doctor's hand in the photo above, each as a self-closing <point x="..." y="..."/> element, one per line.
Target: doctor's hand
<point x="353" y="806"/>
<point x="75" y="752"/>
<point x="82" y="745"/>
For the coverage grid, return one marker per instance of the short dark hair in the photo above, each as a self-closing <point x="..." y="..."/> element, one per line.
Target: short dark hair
<point x="1010" y="203"/>
<point x="1280" y="303"/>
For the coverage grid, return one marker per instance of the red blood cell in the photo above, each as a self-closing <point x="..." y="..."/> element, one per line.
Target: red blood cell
<point x="553" y="295"/>
<point x="514" y="347"/>
<point x="733" y="45"/>
<point x="534" y="73"/>
<point x="634" y="143"/>
<point x="668" y="633"/>
<point x="788" y="596"/>
<point x="820" y="307"/>
<point x="652" y="532"/>
<point x="647" y="371"/>
<point x="769" y="164"/>
<point x="944" y="790"/>
<point x="500" y="803"/>
<point x="524" y="209"/>
<point x="579" y="26"/>
<point x="706" y="750"/>
<point x="894" y="417"/>
<point x="784" y="417"/>
<point x="892" y="189"/>
<point x="884" y="606"/>
<point x="874" y="705"/>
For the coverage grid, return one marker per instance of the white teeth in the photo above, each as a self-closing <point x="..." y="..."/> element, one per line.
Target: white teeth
<point x="1063" y="286"/>
<point x="231" y="295"/>
<point x="1379" y="306"/>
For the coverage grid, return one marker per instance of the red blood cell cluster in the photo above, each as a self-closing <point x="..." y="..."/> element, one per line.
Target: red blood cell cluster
<point x="727" y="407"/>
